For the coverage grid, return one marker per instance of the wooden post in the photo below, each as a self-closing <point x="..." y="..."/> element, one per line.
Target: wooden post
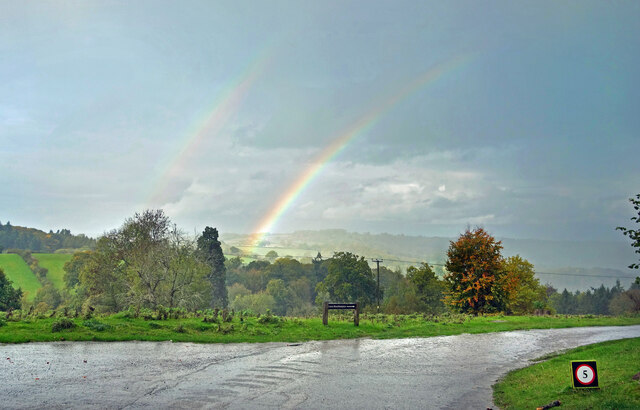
<point x="325" y="313"/>
<point x="356" y="315"/>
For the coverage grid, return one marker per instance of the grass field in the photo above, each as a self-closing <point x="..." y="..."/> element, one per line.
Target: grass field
<point x="253" y="329"/>
<point x="54" y="263"/>
<point x="542" y="383"/>
<point x="18" y="272"/>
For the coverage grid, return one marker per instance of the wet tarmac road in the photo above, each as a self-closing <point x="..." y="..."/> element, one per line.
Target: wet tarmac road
<point x="440" y="372"/>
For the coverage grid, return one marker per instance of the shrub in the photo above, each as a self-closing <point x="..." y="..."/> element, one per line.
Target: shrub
<point x="62" y="324"/>
<point x="96" y="325"/>
<point x="268" y="318"/>
<point x="180" y="329"/>
<point x="162" y="313"/>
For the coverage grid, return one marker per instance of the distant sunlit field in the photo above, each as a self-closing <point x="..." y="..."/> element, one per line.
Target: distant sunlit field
<point x="18" y="272"/>
<point x="54" y="263"/>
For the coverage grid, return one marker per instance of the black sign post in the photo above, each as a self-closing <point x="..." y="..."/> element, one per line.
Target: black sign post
<point x="341" y="306"/>
<point x="584" y="374"/>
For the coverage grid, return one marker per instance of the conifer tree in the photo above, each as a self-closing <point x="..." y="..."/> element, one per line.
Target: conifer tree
<point x="211" y="253"/>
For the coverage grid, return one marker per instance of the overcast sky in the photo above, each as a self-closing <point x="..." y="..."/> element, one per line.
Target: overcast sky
<point x="535" y="134"/>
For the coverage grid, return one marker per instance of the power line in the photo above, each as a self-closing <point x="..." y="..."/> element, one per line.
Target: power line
<point x="585" y="275"/>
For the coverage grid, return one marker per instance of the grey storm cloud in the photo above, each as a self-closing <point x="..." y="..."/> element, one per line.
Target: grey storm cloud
<point x="535" y="136"/>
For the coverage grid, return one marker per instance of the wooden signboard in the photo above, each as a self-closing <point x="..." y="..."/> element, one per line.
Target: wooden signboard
<point x="341" y="306"/>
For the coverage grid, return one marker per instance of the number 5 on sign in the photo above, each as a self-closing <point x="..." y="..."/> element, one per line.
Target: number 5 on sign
<point x="584" y="374"/>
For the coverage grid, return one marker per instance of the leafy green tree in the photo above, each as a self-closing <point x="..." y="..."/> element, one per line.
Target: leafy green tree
<point x="633" y="234"/>
<point x="349" y="279"/>
<point x="211" y="252"/>
<point x="257" y="303"/>
<point x="186" y="283"/>
<point x="255" y="278"/>
<point x="48" y="294"/>
<point x="271" y="255"/>
<point x="474" y="273"/>
<point x="104" y="275"/>
<point x="281" y="295"/>
<point x="286" y="269"/>
<point x="9" y="297"/>
<point x="236" y="290"/>
<point x="300" y="297"/>
<point x="521" y="288"/>
<point x="627" y="302"/>
<point x="143" y="242"/>
<point x="234" y="271"/>
<point x="429" y="288"/>
<point x="400" y="295"/>
<point x="73" y="267"/>
<point x="147" y="263"/>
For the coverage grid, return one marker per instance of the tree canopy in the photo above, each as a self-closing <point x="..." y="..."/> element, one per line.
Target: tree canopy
<point x="148" y="262"/>
<point x="210" y="251"/>
<point x="349" y="279"/>
<point x="633" y="234"/>
<point x="9" y="297"/>
<point x="474" y="272"/>
<point x="429" y="287"/>
<point x="522" y="290"/>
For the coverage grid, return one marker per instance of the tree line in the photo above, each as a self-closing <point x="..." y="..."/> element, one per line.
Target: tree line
<point x="148" y="263"/>
<point x="18" y="237"/>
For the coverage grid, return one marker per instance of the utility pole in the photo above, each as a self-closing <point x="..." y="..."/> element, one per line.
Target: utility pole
<point x="377" y="261"/>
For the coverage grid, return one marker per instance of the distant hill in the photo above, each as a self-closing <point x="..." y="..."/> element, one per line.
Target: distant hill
<point x="35" y="240"/>
<point x="564" y="264"/>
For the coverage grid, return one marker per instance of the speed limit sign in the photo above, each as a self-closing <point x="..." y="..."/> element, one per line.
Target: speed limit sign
<point x="584" y="374"/>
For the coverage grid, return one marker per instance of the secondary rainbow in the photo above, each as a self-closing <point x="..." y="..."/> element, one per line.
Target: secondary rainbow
<point x="339" y="143"/>
<point x="225" y="105"/>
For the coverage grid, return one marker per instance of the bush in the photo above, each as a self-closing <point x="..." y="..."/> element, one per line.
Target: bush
<point x="180" y="329"/>
<point x="96" y="325"/>
<point x="3" y="322"/>
<point x="62" y="324"/>
<point x="161" y="313"/>
<point x="268" y="318"/>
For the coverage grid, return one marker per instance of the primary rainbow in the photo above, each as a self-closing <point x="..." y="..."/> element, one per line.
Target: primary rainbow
<point x="342" y="140"/>
<point x="222" y="108"/>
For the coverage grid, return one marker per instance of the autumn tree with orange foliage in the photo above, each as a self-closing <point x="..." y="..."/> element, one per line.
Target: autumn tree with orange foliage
<point x="474" y="273"/>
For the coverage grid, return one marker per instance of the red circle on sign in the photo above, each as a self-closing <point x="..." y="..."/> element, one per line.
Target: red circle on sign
<point x="592" y="375"/>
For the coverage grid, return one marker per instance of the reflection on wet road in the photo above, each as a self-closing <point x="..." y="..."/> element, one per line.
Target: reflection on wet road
<point x="438" y="372"/>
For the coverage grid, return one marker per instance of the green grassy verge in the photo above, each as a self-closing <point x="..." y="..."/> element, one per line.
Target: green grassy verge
<point x="54" y="263"/>
<point x="18" y="272"/>
<point x="542" y="383"/>
<point x="252" y="329"/>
